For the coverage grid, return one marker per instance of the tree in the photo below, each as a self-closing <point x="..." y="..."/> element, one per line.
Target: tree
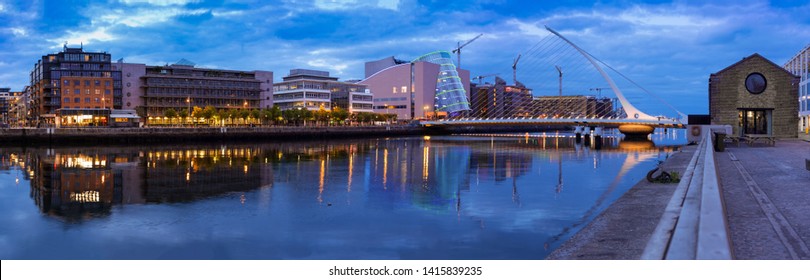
<point x="339" y="115"/>
<point x="170" y="113"/>
<point x="255" y="114"/>
<point x="208" y="113"/>
<point x="196" y="112"/>
<point x="320" y="116"/>
<point x="183" y="113"/>
<point x="275" y="113"/>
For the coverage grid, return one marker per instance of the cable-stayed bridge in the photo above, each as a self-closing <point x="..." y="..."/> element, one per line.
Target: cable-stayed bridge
<point x="558" y="82"/>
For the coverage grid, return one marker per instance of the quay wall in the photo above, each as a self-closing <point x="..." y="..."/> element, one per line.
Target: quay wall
<point x="98" y="136"/>
<point x="95" y="136"/>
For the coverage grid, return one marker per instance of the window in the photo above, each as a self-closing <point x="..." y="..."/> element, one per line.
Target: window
<point x="129" y="94"/>
<point x="77" y="82"/>
<point x="77" y="100"/>
<point x="67" y="83"/>
<point x="107" y="91"/>
<point x="87" y="100"/>
<point x="96" y="100"/>
<point x="395" y="90"/>
<point x="77" y="91"/>
<point x="67" y="100"/>
<point x="87" y="83"/>
<point x="106" y="83"/>
<point x="404" y="89"/>
<point x="755" y="83"/>
<point x="97" y="82"/>
<point x="97" y="91"/>
<point x="87" y="91"/>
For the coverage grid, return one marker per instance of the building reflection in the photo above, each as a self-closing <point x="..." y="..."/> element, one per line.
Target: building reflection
<point x="84" y="182"/>
<point x="429" y="173"/>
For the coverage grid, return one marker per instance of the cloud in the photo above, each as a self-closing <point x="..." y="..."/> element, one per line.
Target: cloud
<point x="160" y="2"/>
<point x="18" y="31"/>
<point x="330" y="64"/>
<point x="145" y="17"/>
<point x="355" y="4"/>
<point x="73" y="37"/>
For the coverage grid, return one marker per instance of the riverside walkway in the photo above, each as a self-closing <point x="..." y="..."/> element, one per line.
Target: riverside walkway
<point x="764" y="191"/>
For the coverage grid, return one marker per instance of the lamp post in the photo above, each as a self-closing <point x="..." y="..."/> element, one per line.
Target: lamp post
<point x="188" y="103"/>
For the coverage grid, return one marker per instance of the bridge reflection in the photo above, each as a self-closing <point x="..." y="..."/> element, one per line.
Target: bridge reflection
<point x="430" y="173"/>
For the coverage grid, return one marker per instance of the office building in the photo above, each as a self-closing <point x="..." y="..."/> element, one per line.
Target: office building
<point x="152" y="90"/>
<point x="315" y="90"/>
<point x="500" y="100"/>
<point x="573" y="106"/>
<point x="799" y="65"/>
<point x="73" y="79"/>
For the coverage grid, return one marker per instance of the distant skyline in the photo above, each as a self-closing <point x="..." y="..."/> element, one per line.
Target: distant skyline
<point x="669" y="47"/>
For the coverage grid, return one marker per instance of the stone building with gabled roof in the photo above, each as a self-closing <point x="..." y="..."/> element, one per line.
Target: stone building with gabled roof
<point x="755" y="96"/>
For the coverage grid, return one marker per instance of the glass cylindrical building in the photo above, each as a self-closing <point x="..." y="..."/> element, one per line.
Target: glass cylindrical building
<point x="451" y="97"/>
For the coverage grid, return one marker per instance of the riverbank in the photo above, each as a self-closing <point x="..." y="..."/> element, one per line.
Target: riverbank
<point x="151" y="135"/>
<point x="94" y="136"/>
<point x="621" y="232"/>
<point x="764" y="193"/>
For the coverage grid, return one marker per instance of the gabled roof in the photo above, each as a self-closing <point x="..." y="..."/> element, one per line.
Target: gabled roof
<point x="752" y="57"/>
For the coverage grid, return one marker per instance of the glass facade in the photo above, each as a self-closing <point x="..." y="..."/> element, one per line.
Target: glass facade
<point x="180" y="88"/>
<point x="799" y="65"/>
<point x="450" y="96"/>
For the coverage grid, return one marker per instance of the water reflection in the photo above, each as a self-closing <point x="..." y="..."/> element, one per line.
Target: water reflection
<point x="535" y="190"/>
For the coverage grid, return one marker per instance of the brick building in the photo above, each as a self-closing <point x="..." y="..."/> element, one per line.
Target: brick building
<point x="755" y="96"/>
<point x="73" y="79"/>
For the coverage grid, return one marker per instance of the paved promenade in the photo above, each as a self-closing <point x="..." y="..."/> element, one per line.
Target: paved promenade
<point x="767" y="196"/>
<point x="621" y="232"/>
<point x="766" y="192"/>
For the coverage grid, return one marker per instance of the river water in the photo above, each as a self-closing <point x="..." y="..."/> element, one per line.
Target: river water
<point x="513" y="196"/>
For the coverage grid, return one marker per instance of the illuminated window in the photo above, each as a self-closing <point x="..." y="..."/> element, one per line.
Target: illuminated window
<point x="98" y="91"/>
<point x="404" y="89"/>
<point x="395" y="90"/>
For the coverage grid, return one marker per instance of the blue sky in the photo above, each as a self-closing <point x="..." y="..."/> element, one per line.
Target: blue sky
<point x="668" y="47"/>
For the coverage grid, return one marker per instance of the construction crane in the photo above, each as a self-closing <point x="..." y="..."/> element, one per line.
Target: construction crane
<point x="514" y="69"/>
<point x="484" y="76"/>
<point x="598" y="90"/>
<point x="460" y="45"/>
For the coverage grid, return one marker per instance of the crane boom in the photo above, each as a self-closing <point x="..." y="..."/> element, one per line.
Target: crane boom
<point x="457" y="51"/>
<point x="514" y="69"/>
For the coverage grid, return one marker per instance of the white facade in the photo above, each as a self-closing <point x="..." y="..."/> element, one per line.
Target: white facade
<point x="361" y="102"/>
<point x="800" y="65"/>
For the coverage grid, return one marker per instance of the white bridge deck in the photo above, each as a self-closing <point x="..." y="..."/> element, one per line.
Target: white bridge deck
<point x="605" y="122"/>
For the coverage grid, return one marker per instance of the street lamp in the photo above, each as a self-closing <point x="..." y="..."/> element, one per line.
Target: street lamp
<point x="188" y="102"/>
